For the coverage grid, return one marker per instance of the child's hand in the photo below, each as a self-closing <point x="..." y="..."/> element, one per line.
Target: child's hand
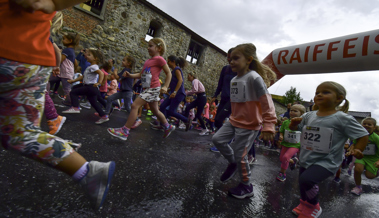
<point x="106" y="96"/>
<point x="70" y="81"/>
<point x="164" y="89"/>
<point x="280" y="138"/>
<point x="56" y="71"/>
<point x="96" y="85"/>
<point x="376" y="164"/>
<point x="126" y="74"/>
<point x="267" y="136"/>
<point x="357" y="153"/>
<point x="173" y="95"/>
<point x="294" y="122"/>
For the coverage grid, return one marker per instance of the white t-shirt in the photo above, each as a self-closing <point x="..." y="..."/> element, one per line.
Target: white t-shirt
<point x="89" y="75"/>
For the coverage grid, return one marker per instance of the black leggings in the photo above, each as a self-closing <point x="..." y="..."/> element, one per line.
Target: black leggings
<point x="199" y="102"/>
<point x="91" y="92"/>
<point x="223" y="111"/>
<point x="308" y="180"/>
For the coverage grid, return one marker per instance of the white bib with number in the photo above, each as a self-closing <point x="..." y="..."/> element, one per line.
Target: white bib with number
<point x="146" y="78"/>
<point x="237" y="91"/>
<point x="370" y="149"/>
<point x="292" y="136"/>
<point x="317" y="139"/>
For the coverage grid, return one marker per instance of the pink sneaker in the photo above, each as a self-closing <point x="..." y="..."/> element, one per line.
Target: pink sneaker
<point x="72" y="110"/>
<point x="356" y="190"/>
<point x="103" y="119"/>
<point x="118" y="132"/>
<point x="297" y="210"/>
<point x="136" y="124"/>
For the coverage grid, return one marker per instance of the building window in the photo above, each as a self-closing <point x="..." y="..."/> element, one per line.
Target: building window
<point x="154" y="30"/>
<point x="94" y="7"/>
<point x="194" y="52"/>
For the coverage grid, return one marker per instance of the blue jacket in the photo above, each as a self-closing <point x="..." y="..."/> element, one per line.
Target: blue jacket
<point x="223" y="86"/>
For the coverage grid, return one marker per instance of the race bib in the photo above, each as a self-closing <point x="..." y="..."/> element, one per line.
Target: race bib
<point x="317" y="139"/>
<point x="370" y="149"/>
<point x="237" y="91"/>
<point x="292" y="136"/>
<point x="146" y="78"/>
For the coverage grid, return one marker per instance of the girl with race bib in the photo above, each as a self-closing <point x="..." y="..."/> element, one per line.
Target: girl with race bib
<point x="370" y="161"/>
<point x="252" y="106"/>
<point x="290" y="141"/>
<point x="152" y="87"/>
<point x="324" y="132"/>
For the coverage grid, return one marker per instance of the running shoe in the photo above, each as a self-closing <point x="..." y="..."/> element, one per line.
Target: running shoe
<point x="136" y="124"/>
<point x="293" y="165"/>
<point x="72" y="110"/>
<point x="67" y="103"/>
<point x="118" y="133"/>
<point x="97" y="181"/>
<point x="156" y="125"/>
<point x="198" y="128"/>
<point x="188" y="124"/>
<point x="356" y="190"/>
<point x="251" y="159"/>
<point x="56" y="125"/>
<point x="337" y="180"/>
<point x="214" y="149"/>
<point x="281" y="177"/>
<point x="62" y="97"/>
<point x="242" y="191"/>
<point x="310" y="210"/>
<point x="103" y="119"/>
<point x="168" y="131"/>
<point x="154" y="117"/>
<point x="297" y="210"/>
<point x="204" y="132"/>
<point x="86" y="105"/>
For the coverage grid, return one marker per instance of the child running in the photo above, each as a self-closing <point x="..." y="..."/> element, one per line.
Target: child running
<point x="177" y="93"/>
<point x="290" y="141"/>
<point x="152" y="87"/>
<point x="370" y="162"/>
<point x="251" y="106"/>
<point x="324" y="133"/>
<point x="90" y="86"/>
<point x="24" y="72"/>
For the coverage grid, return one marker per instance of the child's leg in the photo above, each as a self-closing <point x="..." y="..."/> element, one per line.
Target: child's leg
<point x="66" y="89"/>
<point x="155" y="109"/>
<point x="92" y="95"/>
<point x="110" y="101"/>
<point x="127" y="96"/>
<point x="308" y="180"/>
<point x="50" y="111"/>
<point x="133" y="112"/>
<point x="285" y="155"/>
<point x="243" y="141"/>
<point x="221" y="138"/>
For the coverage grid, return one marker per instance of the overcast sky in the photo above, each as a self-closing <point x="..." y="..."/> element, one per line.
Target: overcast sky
<point x="281" y="23"/>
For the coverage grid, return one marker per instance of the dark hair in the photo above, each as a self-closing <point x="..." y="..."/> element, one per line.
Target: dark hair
<point x="230" y="51"/>
<point x="131" y="60"/>
<point x="106" y="66"/>
<point x="98" y="55"/>
<point x="179" y="61"/>
<point x="75" y="39"/>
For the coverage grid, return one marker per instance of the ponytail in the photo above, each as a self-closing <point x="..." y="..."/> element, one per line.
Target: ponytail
<point x="179" y="61"/>
<point x="345" y="107"/>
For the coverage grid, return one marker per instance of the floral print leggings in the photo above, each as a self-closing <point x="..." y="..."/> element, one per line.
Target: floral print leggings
<point x="22" y="96"/>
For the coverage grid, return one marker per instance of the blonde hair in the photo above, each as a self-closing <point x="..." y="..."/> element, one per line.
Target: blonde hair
<point x="249" y="50"/>
<point x="57" y="22"/>
<point x="339" y="90"/>
<point x="160" y="44"/>
<point x="369" y="119"/>
<point x="300" y="107"/>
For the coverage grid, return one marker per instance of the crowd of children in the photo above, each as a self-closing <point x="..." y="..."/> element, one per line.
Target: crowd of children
<point x="315" y="140"/>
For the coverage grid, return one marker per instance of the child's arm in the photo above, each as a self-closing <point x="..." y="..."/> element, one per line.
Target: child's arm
<point x="294" y="123"/>
<point x="180" y="81"/>
<point x="80" y="78"/>
<point x="168" y="78"/>
<point x="134" y="76"/>
<point x="56" y="69"/>
<point x="360" y="145"/>
<point x="101" y="77"/>
<point x="47" y="6"/>
<point x="376" y="164"/>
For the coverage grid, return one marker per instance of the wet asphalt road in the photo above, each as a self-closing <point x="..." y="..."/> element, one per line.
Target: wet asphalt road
<point x="156" y="177"/>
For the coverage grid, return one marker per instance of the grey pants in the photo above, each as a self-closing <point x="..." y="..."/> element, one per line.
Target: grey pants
<point x="237" y="151"/>
<point x="126" y="95"/>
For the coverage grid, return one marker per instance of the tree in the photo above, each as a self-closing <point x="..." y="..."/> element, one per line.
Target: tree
<point x="291" y="96"/>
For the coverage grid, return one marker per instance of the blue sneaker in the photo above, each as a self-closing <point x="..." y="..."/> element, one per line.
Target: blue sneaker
<point x="97" y="181"/>
<point x="242" y="191"/>
<point x="281" y="177"/>
<point x="214" y="149"/>
<point x="229" y="172"/>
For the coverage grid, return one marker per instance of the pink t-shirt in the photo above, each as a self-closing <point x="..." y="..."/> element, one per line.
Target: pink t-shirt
<point x="155" y="66"/>
<point x="104" y="88"/>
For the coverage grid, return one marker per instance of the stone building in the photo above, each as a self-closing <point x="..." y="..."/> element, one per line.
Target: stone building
<point x="123" y="27"/>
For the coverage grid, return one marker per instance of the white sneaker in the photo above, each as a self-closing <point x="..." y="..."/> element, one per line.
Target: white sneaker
<point x="97" y="181"/>
<point x="103" y="119"/>
<point x="72" y="110"/>
<point x="204" y="132"/>
<point x="86" y="105"/>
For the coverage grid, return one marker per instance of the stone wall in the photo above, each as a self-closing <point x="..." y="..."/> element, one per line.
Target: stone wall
<point x="124" y="30"/>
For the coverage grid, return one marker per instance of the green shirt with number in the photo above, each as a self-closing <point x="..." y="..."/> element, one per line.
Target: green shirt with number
<point x="283" y="128"/>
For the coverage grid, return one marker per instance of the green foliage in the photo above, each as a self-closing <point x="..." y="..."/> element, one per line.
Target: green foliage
<point x="291" y="96"/>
